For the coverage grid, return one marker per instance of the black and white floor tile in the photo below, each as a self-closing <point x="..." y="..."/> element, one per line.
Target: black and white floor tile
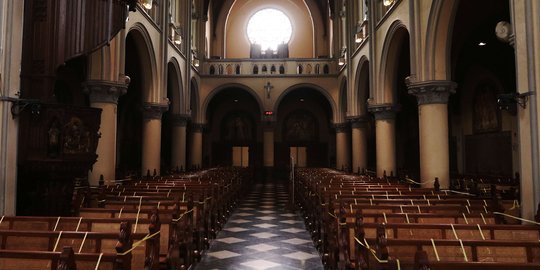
<point x="262" y="234"/>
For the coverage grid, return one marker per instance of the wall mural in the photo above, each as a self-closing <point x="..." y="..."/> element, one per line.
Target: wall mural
<point x="237" y="126"/>
<point x="486" y="117"/>
<point x="301" y="126"/>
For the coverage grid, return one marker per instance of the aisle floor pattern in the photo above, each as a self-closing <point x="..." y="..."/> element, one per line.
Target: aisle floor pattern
<point x="262" y="234"/>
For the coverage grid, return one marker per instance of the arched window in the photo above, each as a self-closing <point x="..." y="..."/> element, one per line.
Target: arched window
<point x="237" y="69"/>
<point x="269" y="28"/>
<point x="273" y="70"/>
<point x="281" y="69"/>
<point x="264" y="69"/>
<point x="212" y="70"/>
<point x="326" y="69"/>
<point x="299" y="69"/>
<point x="255" y="69"/>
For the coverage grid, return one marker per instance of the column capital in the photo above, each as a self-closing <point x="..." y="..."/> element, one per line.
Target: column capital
<point x="197" y="127"/>
<point x="179" y="120"/>
<point x="341" y="127"/>
<point x="104" y="91"/>
<point x="432" y="92"/>
<point x="359" y="121"/>
<point x="383" y="111"/>
<point x="153" y="110"/>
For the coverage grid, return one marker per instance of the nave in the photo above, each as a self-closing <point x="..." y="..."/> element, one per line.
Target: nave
<point x="263" y="233"/>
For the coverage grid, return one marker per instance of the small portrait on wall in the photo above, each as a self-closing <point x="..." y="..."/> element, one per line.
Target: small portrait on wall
<point x="486" y="116"/>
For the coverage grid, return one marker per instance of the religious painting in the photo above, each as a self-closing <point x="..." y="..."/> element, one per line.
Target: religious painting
<point x="486" y="117"/>
<point x="238" y="127"/>
<point x="300" y="126"/>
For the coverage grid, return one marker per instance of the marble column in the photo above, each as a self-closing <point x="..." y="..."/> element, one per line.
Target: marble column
<point x="385" y="138"/>
<point x="433" y="130"/>
<point x="104" y="95"/>
<point x="196" y="145"/>
<point x="178" y="151"/>
<point x="151" y="137"/>
<point x="359" y="143"/>
<point x="342" y="146"/>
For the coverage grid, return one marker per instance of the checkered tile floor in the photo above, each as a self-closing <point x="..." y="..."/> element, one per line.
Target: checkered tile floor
<point x="262" y="234"/>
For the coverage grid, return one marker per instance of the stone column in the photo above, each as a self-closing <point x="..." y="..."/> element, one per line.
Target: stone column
<point x="359" y="143"/>
<point x="385" y="139"/>
<point x="178" y="153"/>
<point x="104" y="95"/>
<point x="342" y="146"/>
<point x="196" y="145"/>
<point x="433" y="129"/>
<point x="268" y="148"/>
<point x="151" y="137"/>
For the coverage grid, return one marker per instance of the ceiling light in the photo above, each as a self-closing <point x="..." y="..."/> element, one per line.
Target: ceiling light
<point x="301" y="100"/>
<point x="481" y="43"/>
<point x="236" y="100"/>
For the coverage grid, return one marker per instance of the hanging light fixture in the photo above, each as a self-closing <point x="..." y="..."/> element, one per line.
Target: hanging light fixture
<point x="147" y="4"/>
<point x="358" y="37"/>
<point x="177" y="39"/>
<point x="341" y="61"/>
<point x="196" y="62"/>
<point x="387" y="3"/>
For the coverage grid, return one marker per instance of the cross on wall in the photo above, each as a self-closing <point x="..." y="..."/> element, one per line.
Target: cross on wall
<point x="268" y="87"/>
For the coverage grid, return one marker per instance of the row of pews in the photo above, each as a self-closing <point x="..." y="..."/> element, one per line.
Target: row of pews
<point x="152" y="223"/>
<point x="363" y="222"/>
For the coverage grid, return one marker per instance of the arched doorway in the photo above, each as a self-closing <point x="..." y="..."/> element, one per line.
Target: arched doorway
<point x="303" y="125"/>
<point x="483" y="68"/>
<point x="234" y="117"/>
<point x="130" y="115"/>
<point x="171" y="119"/>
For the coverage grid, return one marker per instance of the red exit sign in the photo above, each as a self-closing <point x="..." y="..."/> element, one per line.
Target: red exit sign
<point x="268" y="113"/>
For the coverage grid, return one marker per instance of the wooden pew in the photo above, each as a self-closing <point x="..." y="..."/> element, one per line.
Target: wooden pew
<point x="64" y="260"/>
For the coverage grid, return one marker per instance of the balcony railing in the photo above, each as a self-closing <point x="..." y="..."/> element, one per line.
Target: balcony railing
<point x="269" y="67"/>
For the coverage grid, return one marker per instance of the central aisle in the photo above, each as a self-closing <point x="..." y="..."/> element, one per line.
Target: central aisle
<point x="263" y="234"/>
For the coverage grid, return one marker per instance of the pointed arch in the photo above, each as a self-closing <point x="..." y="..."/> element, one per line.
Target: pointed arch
<point x="307" y="85"/>
<point x="215" y="91"/>
<point x="144" y="47"/>
<point x="438" y="39"/>
<point x="174" y="77"/>
<point x="396" y="35"/>
<point x="361" y="86"/>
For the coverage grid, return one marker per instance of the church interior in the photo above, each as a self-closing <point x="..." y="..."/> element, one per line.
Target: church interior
<point x="283" y="134"/>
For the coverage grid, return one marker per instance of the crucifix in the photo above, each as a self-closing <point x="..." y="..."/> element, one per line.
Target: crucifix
<point x="268" y="87"/>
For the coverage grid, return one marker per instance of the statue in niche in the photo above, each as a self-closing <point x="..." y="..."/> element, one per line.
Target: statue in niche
<point x="53" y="147"/>
<point x="486" y="117"/>
<point x="77" y="138"/>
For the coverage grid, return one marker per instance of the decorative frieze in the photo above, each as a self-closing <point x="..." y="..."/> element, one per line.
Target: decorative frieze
<point x="432" y="92"/>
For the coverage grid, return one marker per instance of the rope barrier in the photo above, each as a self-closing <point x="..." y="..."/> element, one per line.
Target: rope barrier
<point x="138" y="243"/>
<point x="182" y="215"/>
<point x="518" y="218"/>
<point x="98" y="261"/>
<point x="374" y="253"/>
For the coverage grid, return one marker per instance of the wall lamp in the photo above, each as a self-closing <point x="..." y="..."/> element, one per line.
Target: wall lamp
<point x="508" y="101"/>
<point x="147" y="4"/>
<point x="19" y="105"/>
